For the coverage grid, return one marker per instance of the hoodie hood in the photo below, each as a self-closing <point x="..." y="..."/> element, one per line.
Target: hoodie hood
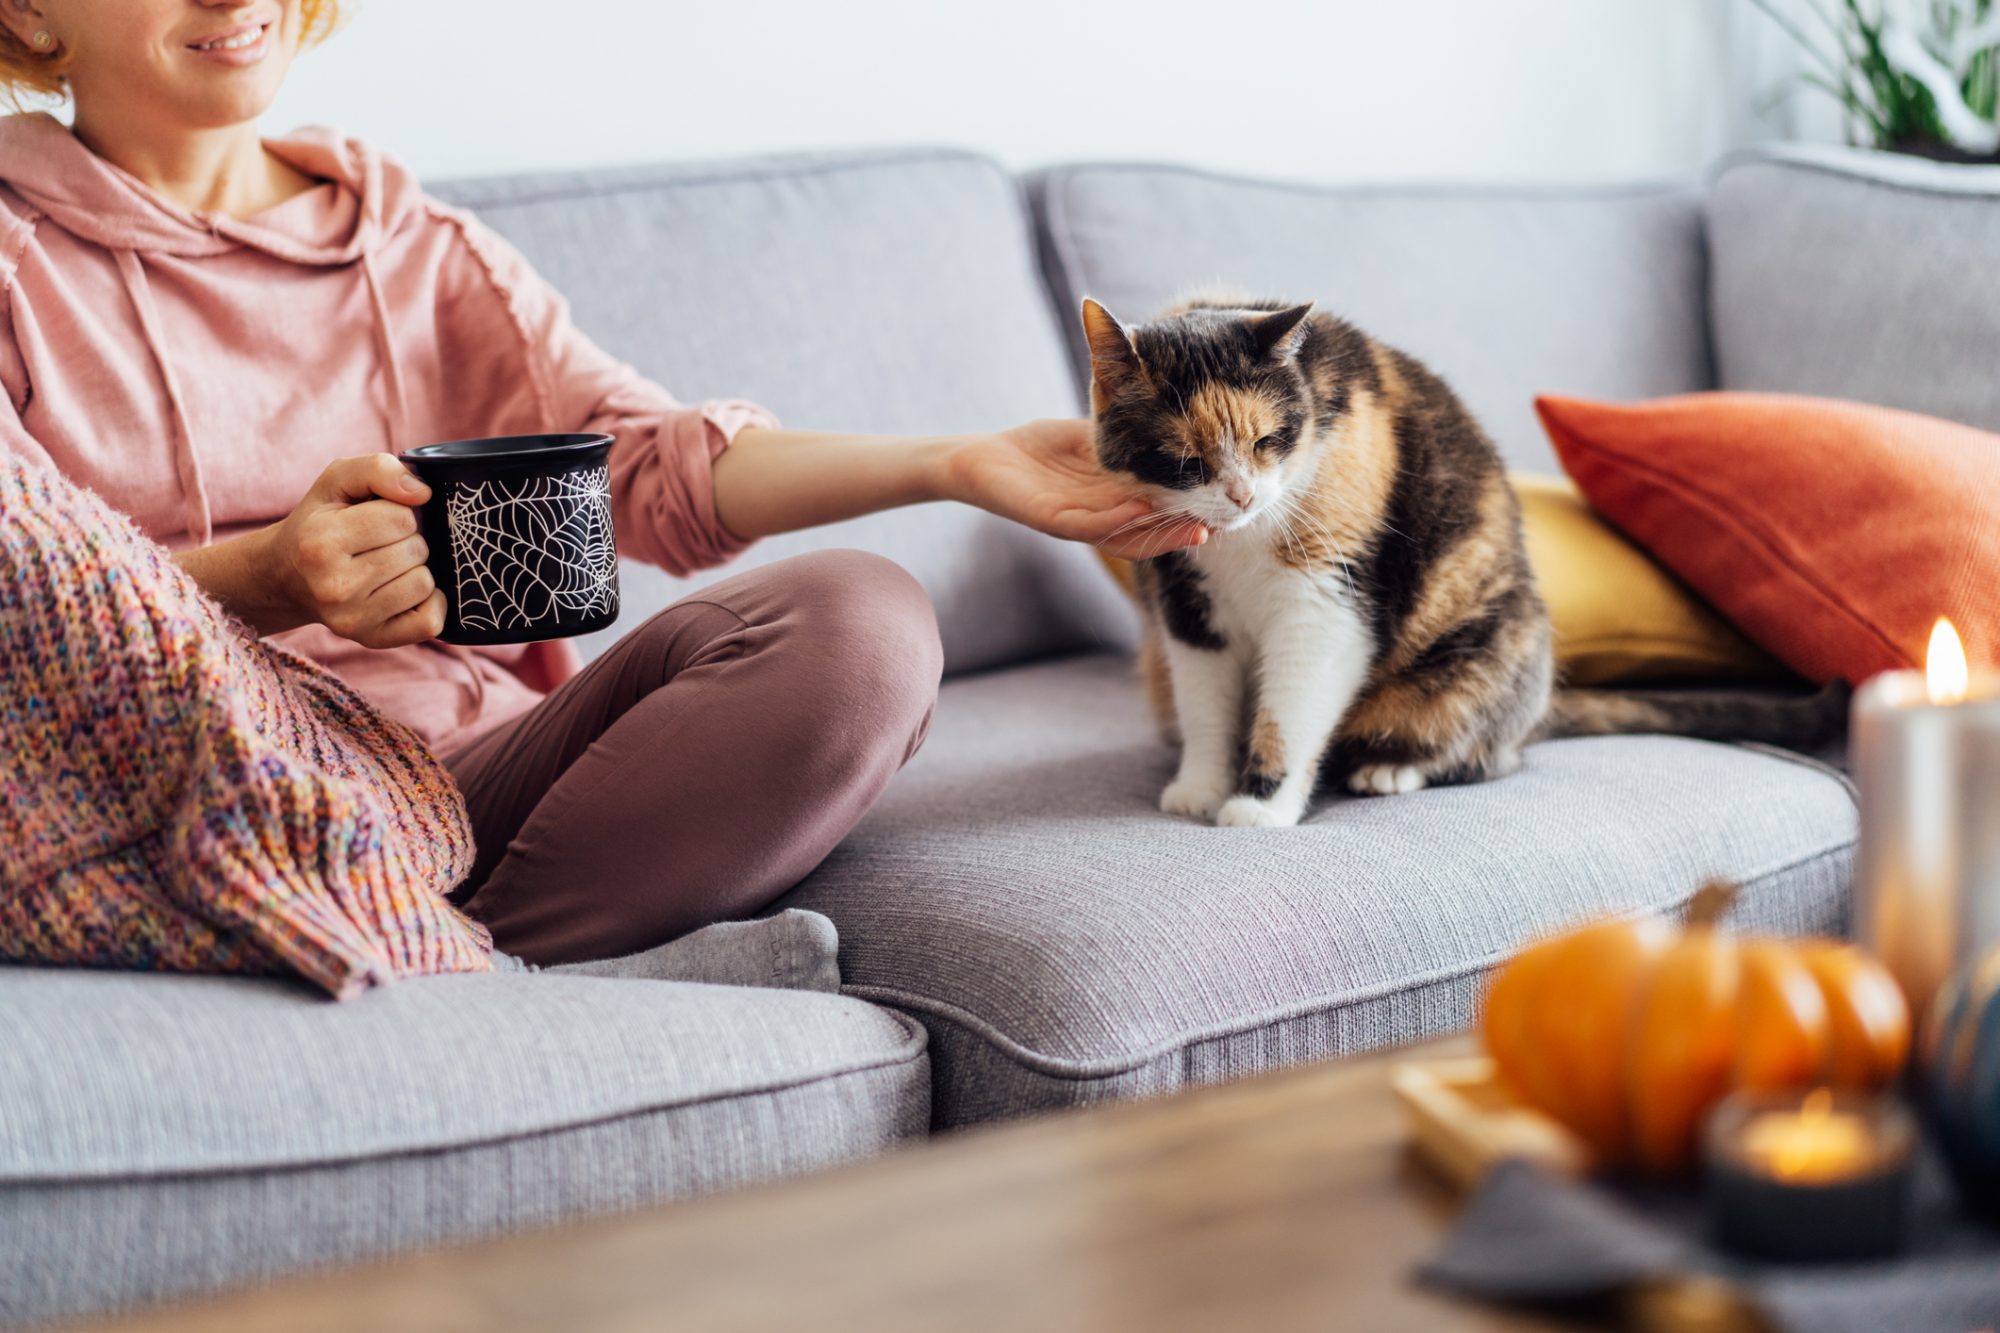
<point x="73" y="188"/>
<point x="54" y="172"/>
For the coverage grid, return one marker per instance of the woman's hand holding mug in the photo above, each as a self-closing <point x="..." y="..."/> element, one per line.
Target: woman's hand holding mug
<point x="349" y="556"/>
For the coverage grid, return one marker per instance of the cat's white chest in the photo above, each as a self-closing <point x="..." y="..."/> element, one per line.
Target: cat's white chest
<point x="1295" y="650"/>
<point x="1251" y="592"/>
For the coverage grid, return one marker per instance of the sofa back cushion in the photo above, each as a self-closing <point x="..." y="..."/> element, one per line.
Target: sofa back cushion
<point x="1507" y="293"/>
<point x="1860" y="275"/>
<point x="891" y="292"/>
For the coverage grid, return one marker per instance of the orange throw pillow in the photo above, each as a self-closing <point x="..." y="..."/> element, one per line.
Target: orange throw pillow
<point x="1833" y="534"/>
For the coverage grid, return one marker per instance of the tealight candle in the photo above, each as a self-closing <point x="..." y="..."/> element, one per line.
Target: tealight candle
<point x="1926" y="750"/>
<point x="1815" y="1176"/>
<point x="1812" y="1145"/>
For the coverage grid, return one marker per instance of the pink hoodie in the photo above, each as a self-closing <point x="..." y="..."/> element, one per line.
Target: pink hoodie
<point x="198" y="371"/>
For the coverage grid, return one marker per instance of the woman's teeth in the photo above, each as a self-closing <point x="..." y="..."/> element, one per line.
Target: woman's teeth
<point x="236" y="43"/>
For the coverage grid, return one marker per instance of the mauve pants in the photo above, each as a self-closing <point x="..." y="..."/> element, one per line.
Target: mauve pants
<point x="704" y="764"/>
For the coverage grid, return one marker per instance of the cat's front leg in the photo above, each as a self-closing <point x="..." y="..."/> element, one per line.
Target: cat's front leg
<point x="1311" y="665"/>
<point x="1208" y="702"/>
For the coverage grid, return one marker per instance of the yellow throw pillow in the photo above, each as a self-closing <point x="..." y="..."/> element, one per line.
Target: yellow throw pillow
<point x="1619" y="617"/>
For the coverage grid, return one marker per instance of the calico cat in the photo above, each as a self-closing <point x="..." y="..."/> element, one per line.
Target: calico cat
<point x="1363" y="610"/>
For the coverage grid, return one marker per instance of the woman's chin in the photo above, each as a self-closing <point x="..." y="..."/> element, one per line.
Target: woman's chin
<point x="217" y="113"/>
<point x="230" y="96"/>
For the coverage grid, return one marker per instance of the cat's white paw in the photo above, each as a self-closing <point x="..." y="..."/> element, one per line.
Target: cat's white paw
<point x="1249" y="812"/>
<point x="1199" y="797"/>
<point x="1385" y="780"/>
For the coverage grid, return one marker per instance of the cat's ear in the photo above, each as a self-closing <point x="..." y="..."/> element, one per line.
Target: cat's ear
<point x="1276" y="334"/>
<point x="1114" y="361"/>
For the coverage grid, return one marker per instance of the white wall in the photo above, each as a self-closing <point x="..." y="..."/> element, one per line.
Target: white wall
<point x="1508" y="90"/>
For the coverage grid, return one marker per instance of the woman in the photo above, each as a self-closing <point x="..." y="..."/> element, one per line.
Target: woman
<point x="229" y="338"/>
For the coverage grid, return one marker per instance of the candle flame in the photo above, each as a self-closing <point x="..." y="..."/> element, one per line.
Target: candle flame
<point x="1815" y="1144"/>
<point x="1945" y="674"/>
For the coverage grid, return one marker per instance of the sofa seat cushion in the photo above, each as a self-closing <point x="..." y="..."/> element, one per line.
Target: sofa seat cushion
<point x="892" y="291"/>
<point x="1844" y="273"/>
<point x="1507" y="293"/>
<point x="164" y="1134"/>
<point x="1017" y="890"/>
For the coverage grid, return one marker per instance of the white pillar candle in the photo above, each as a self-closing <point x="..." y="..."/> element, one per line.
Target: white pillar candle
<point x="1926" y="750"/>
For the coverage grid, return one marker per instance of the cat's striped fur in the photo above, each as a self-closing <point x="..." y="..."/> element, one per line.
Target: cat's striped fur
<point x="1364" y="606"/>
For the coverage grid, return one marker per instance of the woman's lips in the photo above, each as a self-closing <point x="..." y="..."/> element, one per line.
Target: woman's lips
<point x="239" y="46"/>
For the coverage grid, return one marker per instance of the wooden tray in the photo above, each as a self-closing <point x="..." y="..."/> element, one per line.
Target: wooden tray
<point x="1464" y="1123"/>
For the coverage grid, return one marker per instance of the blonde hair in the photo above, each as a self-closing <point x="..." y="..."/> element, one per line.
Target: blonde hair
<point x="26" y="72"/>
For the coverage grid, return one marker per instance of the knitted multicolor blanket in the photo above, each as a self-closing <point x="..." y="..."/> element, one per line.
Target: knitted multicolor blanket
<point x="177" y="794"/>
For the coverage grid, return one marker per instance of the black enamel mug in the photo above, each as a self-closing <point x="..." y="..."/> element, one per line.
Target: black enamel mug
<point x="519" y="530"/>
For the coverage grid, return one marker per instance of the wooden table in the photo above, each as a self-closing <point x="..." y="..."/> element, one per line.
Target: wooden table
<point x="1282" y="1202"/>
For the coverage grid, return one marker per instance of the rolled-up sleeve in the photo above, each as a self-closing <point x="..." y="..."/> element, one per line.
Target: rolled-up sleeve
<point x="662" y="488"/>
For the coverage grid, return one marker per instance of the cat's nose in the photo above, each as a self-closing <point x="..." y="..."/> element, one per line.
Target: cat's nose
<point x="1239" y="495"/>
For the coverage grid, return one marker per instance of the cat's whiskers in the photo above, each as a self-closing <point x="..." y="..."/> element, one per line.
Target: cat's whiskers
<point x="1154" y="518"/>
<point x="1348" y="508"/>
<point x="1301" y="517"/>
<point x="1280" y="510"/>
<point x="1132" y="525"/>
<point x="1295" y="512"/>
<point x="1285" y="510"/>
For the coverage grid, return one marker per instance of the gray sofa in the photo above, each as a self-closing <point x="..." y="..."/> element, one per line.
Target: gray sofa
<point x="1020" y="929"/>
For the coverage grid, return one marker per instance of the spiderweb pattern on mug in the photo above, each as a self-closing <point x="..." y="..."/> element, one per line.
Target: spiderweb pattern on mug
<point x="530" y="549"/>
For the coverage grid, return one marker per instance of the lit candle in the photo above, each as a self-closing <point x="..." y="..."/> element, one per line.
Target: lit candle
<point x="1926" y="750"/>
<point x="1813" y="1144"/>
<point x="1822" y="1175"/>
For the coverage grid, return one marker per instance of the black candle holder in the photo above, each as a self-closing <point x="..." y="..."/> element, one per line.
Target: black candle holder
<point x="1820" y="1176"/>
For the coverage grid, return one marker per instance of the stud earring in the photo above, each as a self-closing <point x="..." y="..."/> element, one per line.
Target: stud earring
<point x="44" y="40"/>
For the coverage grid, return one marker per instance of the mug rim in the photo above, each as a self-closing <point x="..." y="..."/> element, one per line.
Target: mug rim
<point x="514" y="448"/>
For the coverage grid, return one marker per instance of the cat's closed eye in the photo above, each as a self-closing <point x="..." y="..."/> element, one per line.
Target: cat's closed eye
<point x="1267" y="444"/>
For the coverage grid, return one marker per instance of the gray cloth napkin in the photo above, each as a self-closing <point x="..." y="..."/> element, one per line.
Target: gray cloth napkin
<point x="1528" y="1236"/>
<point x="790" y="950"/>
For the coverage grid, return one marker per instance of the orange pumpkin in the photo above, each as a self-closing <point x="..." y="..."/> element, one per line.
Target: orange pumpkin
<point x="1628" y="1032"/>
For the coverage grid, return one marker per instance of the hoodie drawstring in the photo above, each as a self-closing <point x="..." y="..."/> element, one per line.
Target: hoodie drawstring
<point x="187" y="463"/>
<point x="385" y="347"/>
<point x="392" y="375"/>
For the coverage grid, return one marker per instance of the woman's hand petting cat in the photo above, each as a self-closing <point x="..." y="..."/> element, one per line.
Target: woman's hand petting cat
<point x="1046" y="475"/>
<point x="347" y="557"/>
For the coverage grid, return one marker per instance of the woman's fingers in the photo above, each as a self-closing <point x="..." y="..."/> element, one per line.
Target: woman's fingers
<point x="377" y="523"/>
<point x="408" y="589"/>
<point x="352" y="480"/>
<point x="385" y="564"/>
<point x="421" y="622"/>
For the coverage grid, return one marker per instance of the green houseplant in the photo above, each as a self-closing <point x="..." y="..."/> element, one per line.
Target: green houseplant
<point x="1914" y="76"/>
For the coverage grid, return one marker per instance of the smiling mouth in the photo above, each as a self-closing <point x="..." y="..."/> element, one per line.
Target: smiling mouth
<point x="235" y="41"/>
